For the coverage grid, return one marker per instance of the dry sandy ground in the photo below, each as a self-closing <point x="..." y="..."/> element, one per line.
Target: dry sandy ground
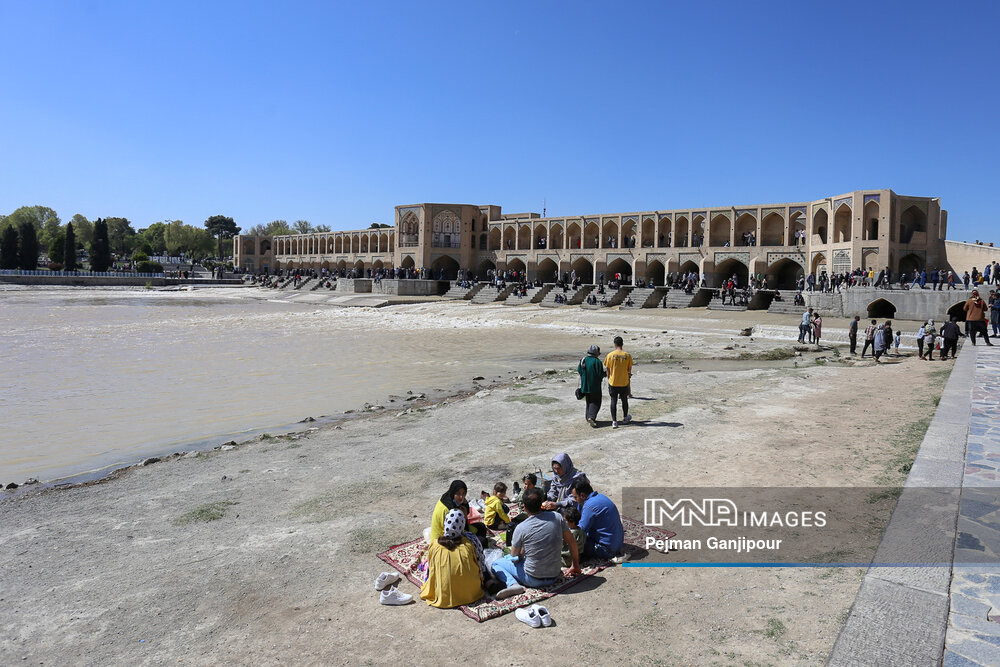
<point x="111" y="574"/>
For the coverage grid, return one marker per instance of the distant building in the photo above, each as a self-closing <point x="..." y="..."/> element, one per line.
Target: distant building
<point x="860" y="229"/>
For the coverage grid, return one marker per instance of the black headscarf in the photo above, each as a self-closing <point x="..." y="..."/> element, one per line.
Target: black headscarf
<point x="448" y="499"/>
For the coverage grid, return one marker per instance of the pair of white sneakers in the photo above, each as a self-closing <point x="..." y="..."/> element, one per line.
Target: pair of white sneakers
<point x="390" y="595"/>
<point x="535" y="616"/>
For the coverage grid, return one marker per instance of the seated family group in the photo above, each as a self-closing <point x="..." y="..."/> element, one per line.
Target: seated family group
<point x="552" y="531"/>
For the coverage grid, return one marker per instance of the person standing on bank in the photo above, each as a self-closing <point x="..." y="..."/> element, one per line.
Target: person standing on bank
<point x="591" y="372"/>
<point x="852" y="334"/>
<point x="618" y="364"/>
<point x="975" y="315"/>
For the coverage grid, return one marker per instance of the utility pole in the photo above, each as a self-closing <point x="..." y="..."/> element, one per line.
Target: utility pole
<point x="543" y="207"/>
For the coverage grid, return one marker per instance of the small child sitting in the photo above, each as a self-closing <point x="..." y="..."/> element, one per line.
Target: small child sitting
<point x="572" y="516"/>
<point x="530" y="481"/>
<point x="496" y="512"/>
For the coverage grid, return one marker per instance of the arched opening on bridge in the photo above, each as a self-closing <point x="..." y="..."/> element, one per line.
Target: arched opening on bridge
<point x="609" y="234"/>
<point x="909" y="264"/>
<point x="664" y="232"/>
<point x="325" y="265"/>
<point x="359" y="268"/>
<point x="383" y="243"/>
<point x="648" y="233"/>
<point x="584" y="270"/>
<point x="407" y="263"/>
<point x="680" y="238"/>
<point x="745" y="224"/>
<point x="698" y="230"/>
<point x="842" y="224"/>
<point x="265" y="245"/>
<point x="555" y="240"/>
<point x="690" y="267"/>
<point x="509" y="236"/>
<point x="772" y="230"/>
<point x="364" y="244"/>
<point x="871" y="221"/>
<point x="590" y="235"/>
<point x="655" y="272"/>
<point x="516" y="265"/>
<point x="619" y="270"/>
<point x="524" y="237"/>
<point x="377" y="264"/>
<point x="547" y="271"/>
<point x="820" y="219"/>
<point x="541" y="237"/>
<point x="495" y="238"/>
<point x="338" y="245"/>
<point x="869" y="259"/>
<point x="957" y="312"/>
<point x="730" y="267"/>
<point x="796" y="223"/>
<point x="881" y="308"/>
<point x="784" y="274"/>
<point x="628" y="231"/>
<point x="484" y="268"/>
<point x="912" y="221"/>
<point x="444" y="268"/>
<point x="819" y="264"/>
<point x="573" y="236"/>
<point x="718" y="234"/>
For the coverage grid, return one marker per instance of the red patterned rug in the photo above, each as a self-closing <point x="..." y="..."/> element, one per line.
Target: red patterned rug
<point x="406" y="559"/>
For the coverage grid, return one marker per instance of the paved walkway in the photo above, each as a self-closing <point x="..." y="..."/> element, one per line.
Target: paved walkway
<point x="946" y="614"/>
<point x="973" y="635"/>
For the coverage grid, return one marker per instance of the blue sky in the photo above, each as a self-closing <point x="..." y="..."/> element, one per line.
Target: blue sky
<point x="336" y="112"/>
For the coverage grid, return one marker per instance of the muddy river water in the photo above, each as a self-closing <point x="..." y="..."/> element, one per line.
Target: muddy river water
<point x="97" y="378"/>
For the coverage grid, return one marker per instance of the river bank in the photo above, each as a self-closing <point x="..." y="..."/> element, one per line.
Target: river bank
<point x="128" y="570"/>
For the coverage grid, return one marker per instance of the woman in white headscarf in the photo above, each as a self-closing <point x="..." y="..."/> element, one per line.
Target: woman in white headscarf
<point x="930" y="333"/>
<point x="454" y="574"/>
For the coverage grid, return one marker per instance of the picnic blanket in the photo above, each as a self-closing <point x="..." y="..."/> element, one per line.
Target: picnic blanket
<point x="406" y="559"/>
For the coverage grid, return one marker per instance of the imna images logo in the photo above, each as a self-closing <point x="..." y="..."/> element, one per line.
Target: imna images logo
<point x="715" y="512"/>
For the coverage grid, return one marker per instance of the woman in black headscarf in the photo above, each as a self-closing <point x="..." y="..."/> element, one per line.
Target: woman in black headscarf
<point x="452" y="499"/>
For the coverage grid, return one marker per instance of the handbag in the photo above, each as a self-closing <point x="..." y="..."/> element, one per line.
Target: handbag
<point x="579" y="394"/>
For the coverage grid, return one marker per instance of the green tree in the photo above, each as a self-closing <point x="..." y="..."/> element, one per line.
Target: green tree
<point x="321" y="228"/>
<point x="84" y="230"/>
<point x="222" y="227"/>
<point x="27" y="251"/>
<point x="100" y="248"/>
<point x="273" y="228"/>
<point x="302" y="227"/>
<point x="44" y="220"/>
<point x="121" y="235"/>
<point x="153" y="235"/>
<point x="57" y="247"/>
<point x="8" y="247"/>
<point x="69" y="254"/>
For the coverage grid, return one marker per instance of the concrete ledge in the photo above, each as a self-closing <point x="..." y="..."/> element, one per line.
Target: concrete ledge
<point x="900" y="615"/>
<point x="892" y="625"/>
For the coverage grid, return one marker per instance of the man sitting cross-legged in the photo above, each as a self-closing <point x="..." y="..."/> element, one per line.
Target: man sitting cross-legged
<point x="536" y="549"/>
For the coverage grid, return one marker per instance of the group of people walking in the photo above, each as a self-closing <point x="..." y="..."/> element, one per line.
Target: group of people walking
<point x="617" y="368"/>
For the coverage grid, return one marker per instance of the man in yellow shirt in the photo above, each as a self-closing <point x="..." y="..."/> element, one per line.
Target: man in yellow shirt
<point x="619" y="367"/>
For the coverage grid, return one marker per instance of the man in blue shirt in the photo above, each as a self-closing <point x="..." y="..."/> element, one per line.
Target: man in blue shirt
<point x="599" y="518"/>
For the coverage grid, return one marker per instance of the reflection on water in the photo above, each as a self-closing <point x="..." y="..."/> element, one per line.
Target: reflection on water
<point x="95" y="378"/>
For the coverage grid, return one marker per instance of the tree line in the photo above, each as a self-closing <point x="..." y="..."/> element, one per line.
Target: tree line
<point x="33" y="230"/>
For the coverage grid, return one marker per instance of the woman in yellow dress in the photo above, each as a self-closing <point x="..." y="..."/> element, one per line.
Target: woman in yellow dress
<point x="454" y="566"/>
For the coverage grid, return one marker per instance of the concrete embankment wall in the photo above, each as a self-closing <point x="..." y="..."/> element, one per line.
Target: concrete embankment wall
<point x="392" y="287"/>
<point x="109" y="281"/>
<point x="963" y="256"/>
<point x="912" y="304"/>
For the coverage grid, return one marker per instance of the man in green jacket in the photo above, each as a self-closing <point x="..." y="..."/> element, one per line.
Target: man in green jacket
<point x="591" y="372"/>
